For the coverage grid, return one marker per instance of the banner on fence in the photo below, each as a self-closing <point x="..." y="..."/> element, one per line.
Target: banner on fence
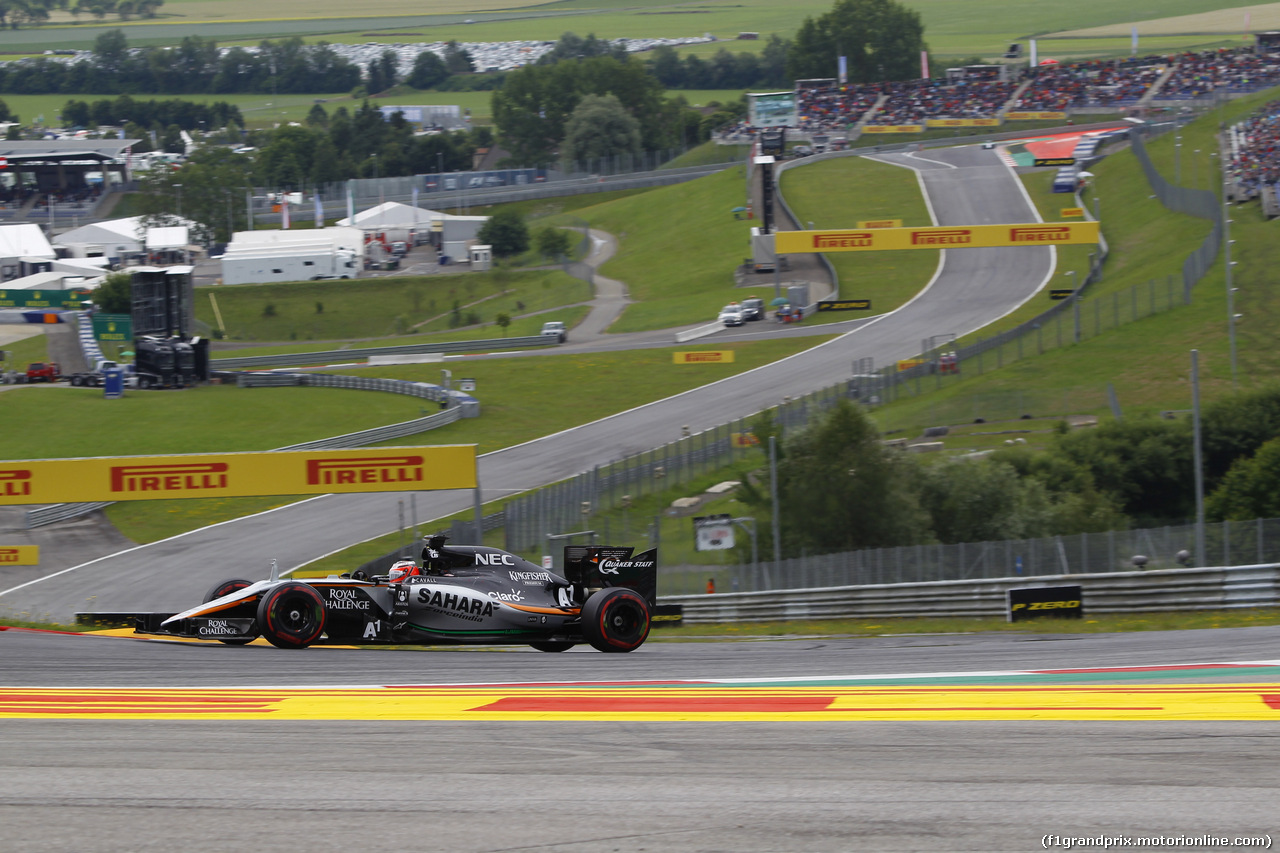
<point x="113" y="328"/>
<point x="1059" y="602"/>
<point x="1032" y="116"/>
<point x="893" y="128"/>
<point x="44" y="298"/>
<point x="705" y="357"/>
<point x="936" y="237"/>
<point x="962" y="122"/>
<point x="744" y="439"/>
<point x="19" y="555"/>
<point x="844" y="305"/>
<point x="292" y="472"/>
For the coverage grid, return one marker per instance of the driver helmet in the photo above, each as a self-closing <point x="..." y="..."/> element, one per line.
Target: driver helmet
<point x="401" y="569"/>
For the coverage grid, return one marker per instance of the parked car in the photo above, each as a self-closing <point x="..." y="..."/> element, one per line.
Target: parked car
<point x="731" y="314"/>
<point x="753" y="309"/>
<point x="41" y="371"/>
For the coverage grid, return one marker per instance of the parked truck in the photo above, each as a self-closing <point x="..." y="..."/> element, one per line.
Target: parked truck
<point x="96" y="378"/>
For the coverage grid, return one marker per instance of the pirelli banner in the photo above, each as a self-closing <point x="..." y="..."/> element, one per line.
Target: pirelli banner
<point x="893" y="128"/>
<point x="972" y="237"/>
<point x="962" y="122"/>
<point x="227" y="475"/>
<point x="704" y="357"/>
<point x="1034" y="116"/>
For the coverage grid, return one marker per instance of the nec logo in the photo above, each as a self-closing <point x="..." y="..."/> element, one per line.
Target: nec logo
<point x="843" y="240"/>
<point x="1040" y="234"/>
<point x="364" y="469"/>
<point x="169" y="478"/>
<point x="951" y="237"/>
<point x="494" y="560"/>
<point x="15" y="483"/>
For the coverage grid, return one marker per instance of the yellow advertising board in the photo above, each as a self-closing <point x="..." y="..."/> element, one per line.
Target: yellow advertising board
<point x="1033" y="116"/>
<point x="935" y="237"/>
<point x="705" y="357"/>
<point x="19" y="555"/>
<point x="225" y="475"/>
<point x="1069" y="212"/>
<point x="881" y="223"/>
<point x="962" y="122"/>
<point x="893" y="128"/>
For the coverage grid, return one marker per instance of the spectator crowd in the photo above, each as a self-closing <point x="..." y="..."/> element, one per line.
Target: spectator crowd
<point x="1050" y="87"/>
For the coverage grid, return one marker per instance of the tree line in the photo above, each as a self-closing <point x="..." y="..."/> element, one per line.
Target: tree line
<point x="841" y="489"/>
<point x="193" y="67"/>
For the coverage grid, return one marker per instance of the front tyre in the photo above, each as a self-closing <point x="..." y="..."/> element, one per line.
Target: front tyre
<point x="616" y="620"/>
<point x="552" y="645"/>
<point x="291" y="615"/>
<point x="226" y="588"/>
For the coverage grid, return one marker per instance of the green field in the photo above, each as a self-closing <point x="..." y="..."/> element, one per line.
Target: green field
<point x="376" y="308"/>
<point x="952" y="29"/>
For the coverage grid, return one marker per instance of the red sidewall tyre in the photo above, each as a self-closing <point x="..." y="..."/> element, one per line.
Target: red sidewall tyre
<point x="616" y="620"/>
<point x="226" y="588"/>
<point x="291" y="615"/>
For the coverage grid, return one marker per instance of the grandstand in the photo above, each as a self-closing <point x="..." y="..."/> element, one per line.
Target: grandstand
<point x="987" y="93"/>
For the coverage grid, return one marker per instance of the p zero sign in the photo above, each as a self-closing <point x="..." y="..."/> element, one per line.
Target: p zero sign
<point x="969" y="237"/>
<point x="293" y="472"/>
<point x="1059" y="602"/>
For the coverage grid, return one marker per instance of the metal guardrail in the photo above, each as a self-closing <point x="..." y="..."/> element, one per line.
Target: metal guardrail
<point x="260" y="362"/>
<point x="1119" y="592"/>
<point x="460" y="406"/>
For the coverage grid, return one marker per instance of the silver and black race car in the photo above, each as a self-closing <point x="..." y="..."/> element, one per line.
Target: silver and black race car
<point x="466" y="594"/>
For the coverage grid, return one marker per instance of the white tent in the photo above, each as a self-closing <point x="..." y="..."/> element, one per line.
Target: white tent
<point x="393" y="214"/>
<point x="24" y="241"/>
<point x="116" y="236"/>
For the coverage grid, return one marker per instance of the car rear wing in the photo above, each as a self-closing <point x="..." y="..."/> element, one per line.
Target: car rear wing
<point x="600" y="566"/>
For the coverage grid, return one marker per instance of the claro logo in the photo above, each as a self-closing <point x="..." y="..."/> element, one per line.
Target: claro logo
<point x="15" y="482"/>
<point x="1040" y="234"/>
<point x="843" y="240"/>
<point x="169" y="478"/>
<point x="364" y="469"/>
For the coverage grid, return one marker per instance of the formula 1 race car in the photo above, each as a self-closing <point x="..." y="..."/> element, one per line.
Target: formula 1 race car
<point x="464" y="594"/>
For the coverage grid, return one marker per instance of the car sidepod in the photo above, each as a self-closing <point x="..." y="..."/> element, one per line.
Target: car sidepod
<point x="461" y="610"/>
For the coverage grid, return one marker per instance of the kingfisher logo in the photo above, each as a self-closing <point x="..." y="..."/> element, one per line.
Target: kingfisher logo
<point x="15" y="483"/>
<point x="946" y="237"/>
<point x="364" y="469"/>
<point x="1040" y="234"/>
<point x="843" y="240"/>
<point x="169" y="478"/>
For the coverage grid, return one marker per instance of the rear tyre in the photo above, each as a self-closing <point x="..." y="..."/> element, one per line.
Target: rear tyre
<point x="226" y="588"/>
<point x="291" y="615"/>
<point x="616" y="620"/>
<point x="553" y="646"/>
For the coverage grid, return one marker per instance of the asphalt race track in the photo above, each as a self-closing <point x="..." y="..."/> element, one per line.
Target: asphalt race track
<point x="972" y="288"/>
<point x="771" y="781"/>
